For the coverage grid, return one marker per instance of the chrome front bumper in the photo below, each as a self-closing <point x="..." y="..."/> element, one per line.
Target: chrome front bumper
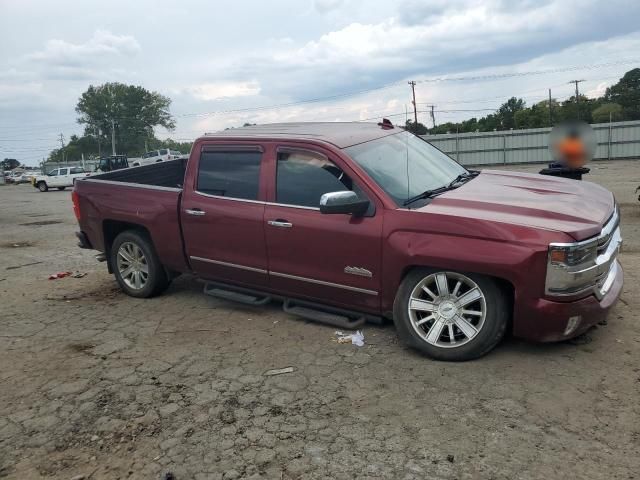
<point x="595" y="278"/>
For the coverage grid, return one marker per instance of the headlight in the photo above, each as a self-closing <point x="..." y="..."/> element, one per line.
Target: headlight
<point x="571" y="255"/>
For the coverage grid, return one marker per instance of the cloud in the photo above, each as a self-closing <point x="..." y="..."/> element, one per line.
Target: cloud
<point x="324" y="6"/>
<point x="222" y="90"/>
<point x="69" y="55"/>
<point x="598" y="91"/>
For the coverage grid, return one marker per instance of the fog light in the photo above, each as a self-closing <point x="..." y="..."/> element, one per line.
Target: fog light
<point x="572" y="324"/>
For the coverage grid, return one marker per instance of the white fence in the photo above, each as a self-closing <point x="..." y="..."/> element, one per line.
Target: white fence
<point x="616" y="140"/>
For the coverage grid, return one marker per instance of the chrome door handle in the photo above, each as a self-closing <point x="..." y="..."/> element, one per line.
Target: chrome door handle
<point x="280" y="223"/>
<point x="197" y="212"/>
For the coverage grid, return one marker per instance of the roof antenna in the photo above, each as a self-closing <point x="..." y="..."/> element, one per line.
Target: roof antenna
<point x="385" y="124"/>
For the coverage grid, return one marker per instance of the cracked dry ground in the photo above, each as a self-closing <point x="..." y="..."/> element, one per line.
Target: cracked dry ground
<point x="98" y="384"/>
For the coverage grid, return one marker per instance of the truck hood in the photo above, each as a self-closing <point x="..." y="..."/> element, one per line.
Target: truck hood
<point x="577" y="208"/>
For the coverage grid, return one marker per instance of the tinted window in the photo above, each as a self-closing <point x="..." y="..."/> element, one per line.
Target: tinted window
<point x="163" y="152"/>
<point x="64" y="171"/>
<point x="303" y="177"/>
<point x="230" y="174"/>
<point x="77" y="170"/>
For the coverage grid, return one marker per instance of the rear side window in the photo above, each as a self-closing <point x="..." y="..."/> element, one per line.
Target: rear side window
<point x="234" y="174"/>
<point x="163" y="152"/>
<point x="303" y="177"/>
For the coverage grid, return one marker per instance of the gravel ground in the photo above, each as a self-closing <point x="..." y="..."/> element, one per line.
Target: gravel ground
<point x="100" y="385"/>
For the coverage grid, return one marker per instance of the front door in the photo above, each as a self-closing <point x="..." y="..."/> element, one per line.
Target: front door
<point x="222" y="215"/>
<point x="333" y="258"/>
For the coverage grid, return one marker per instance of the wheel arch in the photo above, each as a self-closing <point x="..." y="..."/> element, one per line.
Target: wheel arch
<point x="112" y="228"/>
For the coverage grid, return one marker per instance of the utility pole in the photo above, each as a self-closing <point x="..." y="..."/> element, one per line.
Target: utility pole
<point x="62" y="146"/>
<point x="577" y="95"/>
<point x="415" y="106"/>
<point x="550" y="112"/>
<point x="432" y="114"/>
<point x="99" y="134"/>
<point x="113" y="137"/>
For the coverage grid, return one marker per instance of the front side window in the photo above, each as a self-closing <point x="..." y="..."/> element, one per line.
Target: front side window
<point x="53" y="173"/>
<point x="303" y="177"/>
<point x="404" y="165"/>
<point x="234" y="174"/>
<point x="63" y="171"/>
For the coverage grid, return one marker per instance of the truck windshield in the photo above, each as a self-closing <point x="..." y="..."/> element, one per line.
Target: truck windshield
<point x="405" y="165"/>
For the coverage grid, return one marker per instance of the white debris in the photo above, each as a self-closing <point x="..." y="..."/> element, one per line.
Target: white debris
<point x="278" y="371"/>
<point x="356" y="338"/>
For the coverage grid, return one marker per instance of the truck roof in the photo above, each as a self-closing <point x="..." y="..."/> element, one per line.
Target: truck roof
<point x="340" y="134"/>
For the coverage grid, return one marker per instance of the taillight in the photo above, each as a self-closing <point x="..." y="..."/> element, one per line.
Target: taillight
<point x="76" y="204"/>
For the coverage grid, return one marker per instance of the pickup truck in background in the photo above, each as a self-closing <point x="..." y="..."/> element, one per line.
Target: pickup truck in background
<point x="352" y="222"/>
<point x="59" y="178"/>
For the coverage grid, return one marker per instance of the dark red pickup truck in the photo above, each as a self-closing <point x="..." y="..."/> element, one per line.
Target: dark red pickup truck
<point x="349" y="222"/>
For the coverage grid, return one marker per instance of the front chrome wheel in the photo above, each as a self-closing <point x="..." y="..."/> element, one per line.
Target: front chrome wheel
<point x="447" y="309"/>
<point x="132" y="265"/>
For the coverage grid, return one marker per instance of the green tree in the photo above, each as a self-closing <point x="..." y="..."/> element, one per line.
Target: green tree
<point x="507" y="112"/>
<point x="626" y="93"/>
<point x="570" y="110"/>
<point x="418" y="129"/>
<point x="607" y="111"/>
<point x="132" y="110"/>
<point x="10" y="164"/>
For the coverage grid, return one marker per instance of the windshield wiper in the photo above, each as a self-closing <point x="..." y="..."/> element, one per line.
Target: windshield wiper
<point x="463" y="177"/>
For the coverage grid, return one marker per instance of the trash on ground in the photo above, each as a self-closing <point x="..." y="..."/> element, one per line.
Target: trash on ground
<point x="278" y="371"/>
<point x="79" y="275"/>
<point x="356" y="338"/>
<point x="55" y="276"/>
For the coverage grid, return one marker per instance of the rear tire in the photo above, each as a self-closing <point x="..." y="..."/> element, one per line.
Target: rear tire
<point x="42" y="186"/>
<point x="452" y="316"/>
<point x="136" y="265"/>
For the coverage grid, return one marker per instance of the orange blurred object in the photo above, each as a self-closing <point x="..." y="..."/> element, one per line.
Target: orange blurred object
<point x="573" y="151"/>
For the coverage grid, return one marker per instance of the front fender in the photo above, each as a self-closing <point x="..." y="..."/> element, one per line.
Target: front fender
<point x="522" y="265"/>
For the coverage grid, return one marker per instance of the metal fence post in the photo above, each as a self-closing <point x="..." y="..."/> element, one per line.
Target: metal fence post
<point x="504" y="149"/>
<point x="609" y="142"/>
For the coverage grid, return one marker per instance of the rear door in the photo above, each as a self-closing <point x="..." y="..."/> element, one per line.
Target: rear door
<point x="327" y="258"/>
<point x="60" y="179"/>
<point x="222" y="212"/>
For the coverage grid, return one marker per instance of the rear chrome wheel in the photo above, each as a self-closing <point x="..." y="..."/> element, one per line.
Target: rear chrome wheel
<point x="136" y="266"/>
<point x="132" y="265"/>
<point x="447" y="309"/>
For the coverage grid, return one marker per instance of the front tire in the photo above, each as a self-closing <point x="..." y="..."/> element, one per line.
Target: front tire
<point x="448" y="315"/>
<point x="136" y="266"/>
<point x="42" y="186"/>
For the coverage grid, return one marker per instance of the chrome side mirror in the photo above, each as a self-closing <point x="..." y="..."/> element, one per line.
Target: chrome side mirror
<point x="346" y="202"/>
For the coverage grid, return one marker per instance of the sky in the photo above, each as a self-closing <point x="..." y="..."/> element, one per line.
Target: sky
<point x="224" y="63"/>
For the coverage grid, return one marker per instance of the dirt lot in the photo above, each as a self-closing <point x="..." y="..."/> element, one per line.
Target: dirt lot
<point x="98" y="384"/>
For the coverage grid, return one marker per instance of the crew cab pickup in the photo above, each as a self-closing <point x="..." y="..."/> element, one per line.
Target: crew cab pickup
<point x="352" y="222"/>
<point x="59" y="178"/>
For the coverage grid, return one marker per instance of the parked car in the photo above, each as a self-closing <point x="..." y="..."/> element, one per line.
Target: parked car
<point x="59" y="178"/>
<point x="351" y="222"/>
<point x="14" y="177"/>
<point x="155" y="156"/>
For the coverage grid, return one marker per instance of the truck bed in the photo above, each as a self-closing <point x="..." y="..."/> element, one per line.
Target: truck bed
<point x="147" y="196"/>
<point x="162" y="174"/>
